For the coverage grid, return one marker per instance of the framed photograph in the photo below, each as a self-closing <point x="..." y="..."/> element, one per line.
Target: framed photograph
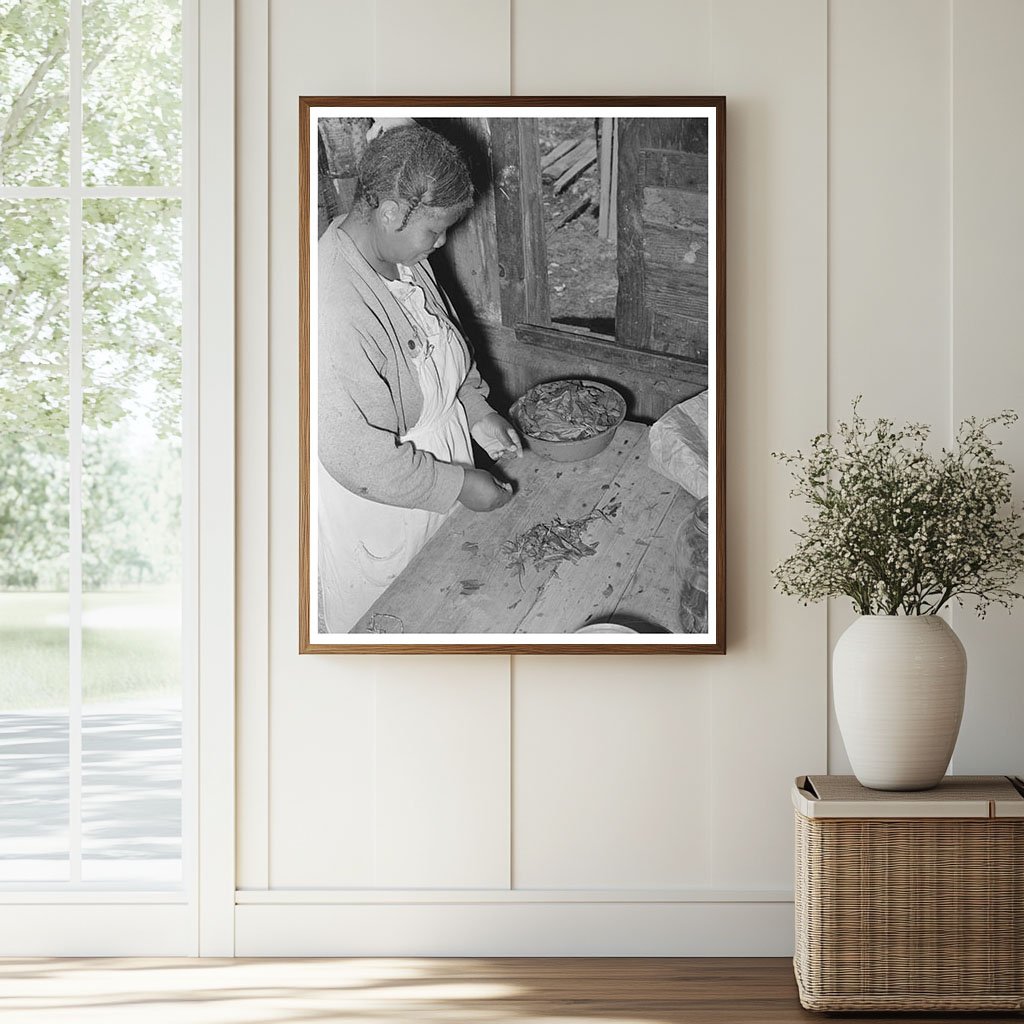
<point x="512" y="374"/>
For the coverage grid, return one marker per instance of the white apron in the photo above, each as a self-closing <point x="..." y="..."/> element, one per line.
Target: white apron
<point x="363" y="544"/>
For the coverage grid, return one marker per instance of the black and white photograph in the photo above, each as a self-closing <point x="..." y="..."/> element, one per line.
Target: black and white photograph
<point x="512" y="375"/>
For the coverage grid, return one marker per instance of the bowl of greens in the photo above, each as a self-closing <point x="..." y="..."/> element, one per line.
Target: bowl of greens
<point x="569" y="420"/>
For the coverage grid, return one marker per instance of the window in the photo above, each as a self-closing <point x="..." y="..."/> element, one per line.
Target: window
<point x="96" y="463"/>
<point x="579" y="177"/>
<point x="642" y="319"/>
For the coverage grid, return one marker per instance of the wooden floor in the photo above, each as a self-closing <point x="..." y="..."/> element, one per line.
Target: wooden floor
<point x="412" y="991"/>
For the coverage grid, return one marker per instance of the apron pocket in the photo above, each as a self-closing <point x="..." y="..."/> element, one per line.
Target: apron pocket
<point x="380" y="569"/>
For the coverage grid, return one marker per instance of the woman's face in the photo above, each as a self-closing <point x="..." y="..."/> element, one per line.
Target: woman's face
<point x="424" y="231"/>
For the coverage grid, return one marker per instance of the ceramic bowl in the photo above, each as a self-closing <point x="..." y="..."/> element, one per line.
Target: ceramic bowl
<point x="570" y="451"/>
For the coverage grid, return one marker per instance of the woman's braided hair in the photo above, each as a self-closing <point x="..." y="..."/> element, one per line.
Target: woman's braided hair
<point x="415" y="166"/>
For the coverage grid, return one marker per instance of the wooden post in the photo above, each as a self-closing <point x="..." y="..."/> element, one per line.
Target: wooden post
<point x="327" y="194"/>
<point x="613" y="192"/>
<point x="467" y="266"/>
<point x="535" y="250"/>
<point x="604" y="200"/>
<point x="519" y="214"/>
<point x="632" y="322"/>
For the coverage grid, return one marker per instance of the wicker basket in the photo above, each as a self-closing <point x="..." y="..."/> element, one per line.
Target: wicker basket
<point x="910" y="901"/>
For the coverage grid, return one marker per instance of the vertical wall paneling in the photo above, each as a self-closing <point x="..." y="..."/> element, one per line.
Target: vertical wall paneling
<point x="252" y="197"/>
<point x="442" y="796"/>
<point x="888" y="223"/>
<point x="323" y="762"/>
<point x="889" y="203"/>
<point x="577" y="47"/>
<point x="769" y="692"/>
<point x="611" y="756"/>
<point x="987" y="367"/>
<point x="442" y="48"/>
<point x="442" y="775"/>
<point x="321" y="708"/>
<point x="871" y="249"/>
<point x="612" y="774"/>
<point x="217" y="562"/>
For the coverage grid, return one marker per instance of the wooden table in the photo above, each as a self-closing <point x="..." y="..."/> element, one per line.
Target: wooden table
<point x="460" y="581"/>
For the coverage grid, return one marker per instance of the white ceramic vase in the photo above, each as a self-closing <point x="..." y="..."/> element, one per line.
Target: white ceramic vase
<point x="898" y="684"/>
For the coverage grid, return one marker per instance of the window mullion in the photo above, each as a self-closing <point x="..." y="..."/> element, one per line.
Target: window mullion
<point x="95" y="191"/>
<point x="75" y="303"/>
<point x="70" y="195"/>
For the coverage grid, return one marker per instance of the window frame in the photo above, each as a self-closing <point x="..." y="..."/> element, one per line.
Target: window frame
<point x="523" y="267"/>
<point x="197" y="918"/>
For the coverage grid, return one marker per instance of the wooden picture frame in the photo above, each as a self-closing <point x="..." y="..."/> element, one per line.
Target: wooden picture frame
<point x="641" y="531"/>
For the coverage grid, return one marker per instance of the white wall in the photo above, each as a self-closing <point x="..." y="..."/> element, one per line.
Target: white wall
<point x="626" y="805"/>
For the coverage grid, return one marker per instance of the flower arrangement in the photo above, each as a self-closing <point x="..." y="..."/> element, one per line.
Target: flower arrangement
<point x="900" y="530"/>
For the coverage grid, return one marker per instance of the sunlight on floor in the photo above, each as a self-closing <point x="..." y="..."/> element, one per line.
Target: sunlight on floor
<point x="221" y="991"/>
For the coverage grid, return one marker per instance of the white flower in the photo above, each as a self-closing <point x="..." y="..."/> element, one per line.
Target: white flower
<point x="898" y="529"/>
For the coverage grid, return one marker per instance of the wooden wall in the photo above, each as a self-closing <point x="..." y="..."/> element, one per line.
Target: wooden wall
<point x="663" y="236"/>
<point x="627" y="805"/>
<point x="494" y="267"/>
<point x="546" y="805"/>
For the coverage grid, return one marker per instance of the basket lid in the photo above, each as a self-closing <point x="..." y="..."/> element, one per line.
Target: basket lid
<point x="957" y="796"/>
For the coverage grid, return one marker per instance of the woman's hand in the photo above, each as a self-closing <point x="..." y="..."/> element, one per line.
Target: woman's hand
<point x="482" y="493"/>
<point x="496" y="436"/>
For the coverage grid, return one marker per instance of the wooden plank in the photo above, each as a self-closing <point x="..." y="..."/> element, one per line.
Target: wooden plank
<point x="519" y="217"/>
<point x="533" y="230"/>
<point x="570" y="491"/>
<point x="587" y="157"/>
<point x="467" y="266"/>
<point x="677" y="292"/>
<point x="632" y="326"/>
<point x="669" y="168"/>
<point x="344" y="142"/>
<point x="592" y="590"/>
<point x="671" y="208"/>
<point x="684" y="135"/>
<point x="617" y="356"/>
<point x="505" y="165"/>
<point x="648" y="397"/>
<point x="651" y="382"/>
<point x="613" y="214"/>
<point x="560" y="150"/>
<point x="676" y="248"/>
<point x="679" y="335"/>
<point x="459" y="581"/>
<point x="677" y="601"/>
<point x="558" y="167"/>
<point x="656" y="156"/>
<point x="327" y="193"/>
<point x="604" y="192"/>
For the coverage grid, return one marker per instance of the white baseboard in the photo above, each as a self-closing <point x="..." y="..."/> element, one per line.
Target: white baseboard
<point x="99" y="928"/>
<point x="514" y="928"/>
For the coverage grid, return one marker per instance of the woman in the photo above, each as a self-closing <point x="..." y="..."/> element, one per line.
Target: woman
<point x="399" y="397"/>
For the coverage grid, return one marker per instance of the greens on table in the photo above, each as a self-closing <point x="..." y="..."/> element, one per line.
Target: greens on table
<point x="554" y="542"/>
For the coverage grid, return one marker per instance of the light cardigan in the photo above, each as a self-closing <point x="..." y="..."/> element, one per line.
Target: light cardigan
<point x="367" y="390"/>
